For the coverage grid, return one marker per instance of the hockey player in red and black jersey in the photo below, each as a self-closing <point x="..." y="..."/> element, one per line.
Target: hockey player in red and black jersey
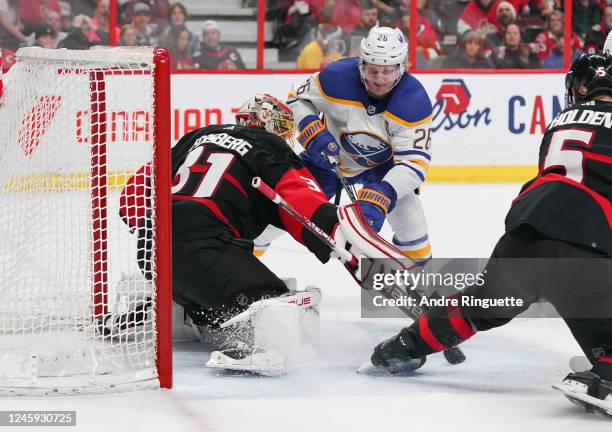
<point x="216" y="212"/>
<point x="557" y="246"/>
<point x="216" y="215"/>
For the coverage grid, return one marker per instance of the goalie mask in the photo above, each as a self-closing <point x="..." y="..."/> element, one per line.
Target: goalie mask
<point x="266" y="112"/>
<point x="588" y="75"/>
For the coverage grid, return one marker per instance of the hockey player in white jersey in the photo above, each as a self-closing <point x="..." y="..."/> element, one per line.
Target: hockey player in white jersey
<point x="375" y="121"/>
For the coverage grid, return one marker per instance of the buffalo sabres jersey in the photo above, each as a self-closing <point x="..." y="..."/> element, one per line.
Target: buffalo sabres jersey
<point x="371" y="132"/>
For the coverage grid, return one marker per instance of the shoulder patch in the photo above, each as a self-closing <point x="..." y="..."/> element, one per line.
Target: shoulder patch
<point x="409" y="105"/>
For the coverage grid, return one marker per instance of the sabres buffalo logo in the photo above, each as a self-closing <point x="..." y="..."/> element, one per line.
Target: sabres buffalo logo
<point x="365" y="149"/>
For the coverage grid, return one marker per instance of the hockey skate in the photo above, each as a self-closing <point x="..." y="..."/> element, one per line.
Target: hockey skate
<point x="391" y="357"/>
<point x="588" y="390"/>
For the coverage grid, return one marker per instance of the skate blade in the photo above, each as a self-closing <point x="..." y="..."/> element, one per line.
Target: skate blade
<point x="395" y="368"/>
<point x="590" y="403"/>
<point x="265" y="364"/>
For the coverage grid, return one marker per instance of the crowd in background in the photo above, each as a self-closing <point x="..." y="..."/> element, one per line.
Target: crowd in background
<point x="449" y="33"/>
<point x="311" y="33"/>
<point x="81" y="24"/>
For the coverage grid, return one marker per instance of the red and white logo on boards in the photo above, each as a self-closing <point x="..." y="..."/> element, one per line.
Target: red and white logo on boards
<point x="36" y="122"/>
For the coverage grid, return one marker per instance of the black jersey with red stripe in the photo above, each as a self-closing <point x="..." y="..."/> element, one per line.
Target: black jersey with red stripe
<point x="213" y="168"/>
<point x="571" y="197"/>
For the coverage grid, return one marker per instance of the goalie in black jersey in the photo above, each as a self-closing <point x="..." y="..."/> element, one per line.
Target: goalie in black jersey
<point x="216" y="215"/>
<point x="557" y="246"/>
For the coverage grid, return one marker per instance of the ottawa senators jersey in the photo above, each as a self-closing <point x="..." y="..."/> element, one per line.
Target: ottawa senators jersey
<point x="213" y="169"/>
<point x="571" y="197"/>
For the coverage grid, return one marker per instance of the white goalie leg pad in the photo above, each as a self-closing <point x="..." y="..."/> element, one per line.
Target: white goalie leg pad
<point x="285" y="333"/>
<point x="130" y="312"/>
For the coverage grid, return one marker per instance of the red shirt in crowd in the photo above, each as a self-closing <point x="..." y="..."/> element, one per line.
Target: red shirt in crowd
<point x="545" y="42"/>
<point x="30" y="10"/>
<point x="474" y="16"/>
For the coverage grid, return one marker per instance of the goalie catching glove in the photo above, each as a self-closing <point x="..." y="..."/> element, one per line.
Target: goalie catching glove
<point x="318" y="142"/>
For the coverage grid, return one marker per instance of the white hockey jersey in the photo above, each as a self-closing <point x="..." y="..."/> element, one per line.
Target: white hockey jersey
<point x="370" y="132"/>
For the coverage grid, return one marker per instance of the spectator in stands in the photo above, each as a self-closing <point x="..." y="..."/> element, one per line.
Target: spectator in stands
<point x="141" y="20"/>
<point x="65" y="15"/>
<point x="44" y="37"/>
<point x="369" y="18"/>
<point x="324" y="49"/>
<point x="158" y="10"/>
<point x="178" y="16"/>
<point x="85" y="7"/>
<point x="128" y="35"/>
<point x="506" y="15"/>
<point x="553" y="32"/>
<point x="77" y="34"/>
<point x="596" y="37"/>
<point x="585" y="14"/>
<point x="55" y="22"/>
<point x="427" y="39"/>
<point x="214" y="55"/>
<point x="479" y="15"/>
<point x="546" y="7"/>
<point x="177" y="44"/>
<point x="7" y="59"/>
<point x="296" y="29"/>
<point x="514" y="54"/>
<point x="387" y="11"/>
<point x="34" y="12"/>
<point x="101" y="24"/>
<point x="521" y="7"/>
<point x="470" y="53"/>
<point x="345" y="13"/>
<point x="424" y="11"/>
<point x="555" y="58"/>
<point x="11" y="28"/>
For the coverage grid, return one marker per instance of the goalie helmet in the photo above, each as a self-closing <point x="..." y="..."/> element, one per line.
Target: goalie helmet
<point x="266" y="112"/>
<point x="384" y="46"/>
<point x="588" y="75"/>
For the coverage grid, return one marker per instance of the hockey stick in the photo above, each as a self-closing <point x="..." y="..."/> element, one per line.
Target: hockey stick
<point x="344" y="255"/>
<point x="453" y="355"/>
<point x="350" y="191"/>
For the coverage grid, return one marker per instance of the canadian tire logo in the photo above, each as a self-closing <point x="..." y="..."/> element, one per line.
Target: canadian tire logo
<point x="36" y="122"/>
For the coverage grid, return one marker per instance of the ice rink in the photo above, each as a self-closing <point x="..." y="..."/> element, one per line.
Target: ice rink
<point x="503" y="386"/>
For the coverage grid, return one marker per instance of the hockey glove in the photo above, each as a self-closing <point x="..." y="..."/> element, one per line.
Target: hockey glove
<point x="318" y="142"/>
<point x="375" y="201"/>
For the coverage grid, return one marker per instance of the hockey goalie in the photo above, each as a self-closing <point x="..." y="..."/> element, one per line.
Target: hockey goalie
<point x="260" y="324"/>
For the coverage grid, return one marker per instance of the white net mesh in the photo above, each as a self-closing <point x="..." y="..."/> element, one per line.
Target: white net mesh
<point x="74" y="125"/>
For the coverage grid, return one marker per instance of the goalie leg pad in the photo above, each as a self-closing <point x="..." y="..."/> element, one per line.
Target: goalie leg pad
<point x="284" y="332"/>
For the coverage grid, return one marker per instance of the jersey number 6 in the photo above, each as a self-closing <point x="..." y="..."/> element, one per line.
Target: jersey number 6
<point x="211" y="170"/>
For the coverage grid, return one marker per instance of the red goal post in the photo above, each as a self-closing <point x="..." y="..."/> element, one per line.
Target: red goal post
<point x="75" y="126"/>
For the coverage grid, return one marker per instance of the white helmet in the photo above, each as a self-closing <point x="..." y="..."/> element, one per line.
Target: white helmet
<point x="384" y="46"/>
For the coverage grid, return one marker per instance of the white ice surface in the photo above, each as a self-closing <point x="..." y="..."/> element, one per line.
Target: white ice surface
<point x="503" y="386"/>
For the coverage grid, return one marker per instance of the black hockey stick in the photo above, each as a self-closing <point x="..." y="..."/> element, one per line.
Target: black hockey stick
<point x="453" y="355"/>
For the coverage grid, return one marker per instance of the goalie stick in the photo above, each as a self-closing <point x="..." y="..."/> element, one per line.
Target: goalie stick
<point x="453" y="355"/>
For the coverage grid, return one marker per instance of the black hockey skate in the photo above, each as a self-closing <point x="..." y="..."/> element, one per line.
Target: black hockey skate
<point x="393" y="357"/>
<point x="588" y="390"/>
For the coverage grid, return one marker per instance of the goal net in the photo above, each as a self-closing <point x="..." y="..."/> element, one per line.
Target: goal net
<point x="78" y="313"/>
